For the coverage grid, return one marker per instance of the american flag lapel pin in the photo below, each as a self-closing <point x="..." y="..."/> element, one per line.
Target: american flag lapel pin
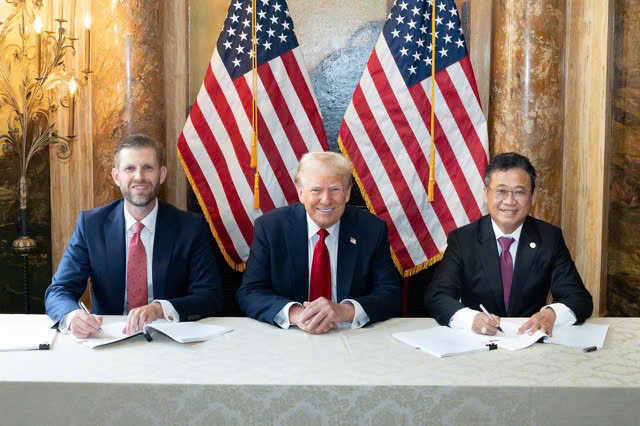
<point x="352" y="241"/>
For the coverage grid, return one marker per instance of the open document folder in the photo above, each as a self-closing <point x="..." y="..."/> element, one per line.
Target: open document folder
<point x="443" y="341"/>
<point x="181" y="332"/>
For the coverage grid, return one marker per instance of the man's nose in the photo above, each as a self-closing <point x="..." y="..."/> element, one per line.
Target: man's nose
<point x="324" y="197"/>
<point x="509" y="197"/>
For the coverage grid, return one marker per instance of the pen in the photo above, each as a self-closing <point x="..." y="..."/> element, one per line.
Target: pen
<point x="490" y="316"/>
<point x="84" y="308"/>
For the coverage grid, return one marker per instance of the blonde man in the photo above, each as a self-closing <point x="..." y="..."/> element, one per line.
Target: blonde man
<point x="320" y="264"/>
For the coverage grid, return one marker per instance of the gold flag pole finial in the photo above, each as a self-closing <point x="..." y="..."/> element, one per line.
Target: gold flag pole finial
<point x="254" y="132"/>
<point x="432" y="159"/>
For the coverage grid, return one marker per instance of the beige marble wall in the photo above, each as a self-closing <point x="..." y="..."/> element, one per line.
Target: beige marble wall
<point x="624" y="218"/>
<point x="128" y="82"/>
<point x="526" y="95"/>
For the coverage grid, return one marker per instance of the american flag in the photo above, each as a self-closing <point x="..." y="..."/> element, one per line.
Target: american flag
<point x="215" y="144"/>
<point x="386" y="132"/>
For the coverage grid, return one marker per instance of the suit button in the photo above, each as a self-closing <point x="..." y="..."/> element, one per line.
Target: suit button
<point x="170" y="317"/>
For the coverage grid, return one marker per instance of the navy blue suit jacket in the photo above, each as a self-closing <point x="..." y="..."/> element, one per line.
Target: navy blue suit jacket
<point x="277" y="271"/>
<point x="184" y="269"/>
<point x="469" y="273"/>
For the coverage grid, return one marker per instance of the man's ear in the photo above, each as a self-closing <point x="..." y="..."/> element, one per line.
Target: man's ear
<point x="163" y="174"/>
<point x="114" y="176"/>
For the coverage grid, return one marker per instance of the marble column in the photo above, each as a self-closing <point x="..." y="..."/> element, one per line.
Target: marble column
<point x="128" y="82"/>
<point x="526" y="93"/>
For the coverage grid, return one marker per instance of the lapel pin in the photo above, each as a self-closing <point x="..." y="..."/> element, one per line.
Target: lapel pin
<point x="352" y="240"/>
<point x="532" y="245"/>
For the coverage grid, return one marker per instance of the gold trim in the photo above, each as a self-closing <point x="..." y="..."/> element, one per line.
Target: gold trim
<point x="405" y="273"/>
<point x="236" y="266"/>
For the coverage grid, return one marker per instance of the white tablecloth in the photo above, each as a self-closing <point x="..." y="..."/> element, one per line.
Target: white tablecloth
<point x="259" y="374"/>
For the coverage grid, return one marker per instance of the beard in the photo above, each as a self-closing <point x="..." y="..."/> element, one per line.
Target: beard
<point x="141" y="200"/>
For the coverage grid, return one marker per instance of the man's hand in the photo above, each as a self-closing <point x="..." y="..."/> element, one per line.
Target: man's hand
<point x="540" y="321"/>
<point x="83" y="326"/>
<point x="485" y="324"/>
<point x="321" y="315"/>
<point x="138" y="317"/>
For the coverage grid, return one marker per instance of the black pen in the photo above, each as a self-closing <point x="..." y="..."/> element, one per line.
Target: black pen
<point x="490" y="316"/>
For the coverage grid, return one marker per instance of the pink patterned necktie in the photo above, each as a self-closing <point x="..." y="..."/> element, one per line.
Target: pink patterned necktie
<point x="320" y="282"/>
<point x="506" y="268"/>
<point x="136" y="270"/>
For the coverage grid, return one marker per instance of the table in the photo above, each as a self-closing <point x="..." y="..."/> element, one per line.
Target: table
<point x="259" y="374"/>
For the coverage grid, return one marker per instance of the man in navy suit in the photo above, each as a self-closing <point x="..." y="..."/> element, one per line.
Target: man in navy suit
<point x="507" y="261"/>
<point x="321" y="263"/>
<point x="146" y="259"/>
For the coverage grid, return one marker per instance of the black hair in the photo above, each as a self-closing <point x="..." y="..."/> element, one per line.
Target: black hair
<point x="507" y="161"/>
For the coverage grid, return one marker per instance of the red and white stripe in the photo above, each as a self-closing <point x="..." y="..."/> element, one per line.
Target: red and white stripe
<point x="386" y="135"/>
<point x="215" y="145"/>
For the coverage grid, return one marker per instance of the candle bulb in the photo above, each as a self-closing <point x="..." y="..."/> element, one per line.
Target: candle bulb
<point x="72" y="20"/>
<point x="72" y="106"/>
<point x="60" y="9"/>
<point x="37" y="26"/>
<point x="87" y="43"/>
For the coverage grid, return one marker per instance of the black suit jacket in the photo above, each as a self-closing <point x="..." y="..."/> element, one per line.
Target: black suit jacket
<point x="278" y="267"/>
<point x="469" y="273"/>
<point x="184" y="269"/>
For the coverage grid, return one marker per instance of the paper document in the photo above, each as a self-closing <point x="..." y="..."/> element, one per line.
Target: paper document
<point x="181" y="332"/>
<point x="25" y="338"/>
<point x="511" y="340"/>
<point x="443" y="341"/>
<point x="579" y="336"/>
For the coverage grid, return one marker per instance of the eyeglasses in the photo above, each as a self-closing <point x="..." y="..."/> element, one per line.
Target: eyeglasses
<point x="502" y="194"/>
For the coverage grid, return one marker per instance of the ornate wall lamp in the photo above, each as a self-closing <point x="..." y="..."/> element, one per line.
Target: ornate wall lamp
<point x="33" y="75"/>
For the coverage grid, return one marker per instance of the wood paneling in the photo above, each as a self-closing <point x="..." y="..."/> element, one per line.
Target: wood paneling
<point x="588" y="71"/>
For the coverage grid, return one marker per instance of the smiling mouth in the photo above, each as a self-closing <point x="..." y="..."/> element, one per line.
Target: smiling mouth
<point x="325" y="210"/>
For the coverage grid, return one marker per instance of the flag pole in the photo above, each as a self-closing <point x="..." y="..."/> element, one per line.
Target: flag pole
<point x="254" y="133"/>
<point x="432" y="160"/>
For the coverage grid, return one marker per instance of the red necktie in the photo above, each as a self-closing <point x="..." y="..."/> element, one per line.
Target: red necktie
<point x="506" y="268"/>
<point x="136" y="271"/>
<point x="320" y="283"/>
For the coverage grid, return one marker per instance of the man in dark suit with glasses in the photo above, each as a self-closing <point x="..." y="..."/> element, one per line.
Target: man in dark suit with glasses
<point x="508" y="262"/>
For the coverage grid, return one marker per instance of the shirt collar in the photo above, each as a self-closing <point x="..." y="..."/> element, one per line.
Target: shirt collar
<point x="498" y="232"/>
<point x="149" y="221"/>
<point x="313" y="228"/>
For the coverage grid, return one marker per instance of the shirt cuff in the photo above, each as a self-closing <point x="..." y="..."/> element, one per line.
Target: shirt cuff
<point x="360" y="317"/>
<point x="65" y="321"/>
<point x="282" y="317"/>
<point x="168" y="311"/>
<point x="463" y="319"/>
<point x="564" y="314"/>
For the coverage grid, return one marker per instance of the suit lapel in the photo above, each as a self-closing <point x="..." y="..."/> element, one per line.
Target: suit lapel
<point x="347" y="254"/>
<point x="114" y="236"/>
<point x="299" y="253"/>
<point x="525" y="257"/>
<point x="491" y="263"/>
<point x="162" y="249"/>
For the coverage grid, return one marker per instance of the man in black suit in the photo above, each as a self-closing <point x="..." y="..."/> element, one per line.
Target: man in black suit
<point x="507" y="261"/>
<point x="321" y="263"/>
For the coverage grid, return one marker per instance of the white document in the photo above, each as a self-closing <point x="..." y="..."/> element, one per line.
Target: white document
<point x="509" y="338"/>
<point x="579" y="336"/>
<point x="25" y="338"/>
<point x="443" y="341"/>
<point x="181" y="332"/>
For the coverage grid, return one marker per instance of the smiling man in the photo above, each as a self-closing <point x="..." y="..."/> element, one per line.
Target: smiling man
<point x="508" y="262"/>
<point x="320" y="264"/>
<point x="146" y="259"/>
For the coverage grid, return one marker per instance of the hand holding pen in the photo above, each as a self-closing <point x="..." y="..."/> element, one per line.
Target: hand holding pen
<point x="486" y="324"/>
<point x="84" y="324"/>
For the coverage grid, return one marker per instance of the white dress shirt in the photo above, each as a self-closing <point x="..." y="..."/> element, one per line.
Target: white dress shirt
<point x="147" y="235"/>
<point x="463" y="319"/>
<point x="360" y="317"/>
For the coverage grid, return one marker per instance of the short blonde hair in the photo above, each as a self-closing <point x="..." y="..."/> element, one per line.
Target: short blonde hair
<point x="333" y="161"/>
